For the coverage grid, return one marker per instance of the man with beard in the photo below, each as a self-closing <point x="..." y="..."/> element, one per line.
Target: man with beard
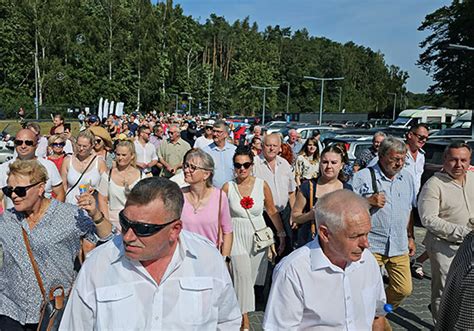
<point x="146" y="153"/>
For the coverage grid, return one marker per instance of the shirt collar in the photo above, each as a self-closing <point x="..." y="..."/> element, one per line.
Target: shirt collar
<point x="319" y="260"/>
<point x="216" y="148"/>
<point x="381" y="174"/>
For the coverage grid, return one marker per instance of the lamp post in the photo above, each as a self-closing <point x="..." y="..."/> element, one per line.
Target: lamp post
<point x="458" y="47"/>
<point x="340" y="97"/>
<point x="394" y="103"/>
<point x="322" y="92"/>
<point x="264" y="88"/>
<point x="287" y="96"/>
<point x="176" y="107"/>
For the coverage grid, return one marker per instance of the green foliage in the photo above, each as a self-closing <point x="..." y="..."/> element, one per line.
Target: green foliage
<point x="452" y="70"/>
<point x="141" y="53"/>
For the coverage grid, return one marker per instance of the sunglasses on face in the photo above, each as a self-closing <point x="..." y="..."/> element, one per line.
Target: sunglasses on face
<point x="192" y="167"/>
<point x="19" y="142"/>
<point x="20" y="191"/>
<point x="141" y="229"/>
<point x="58" y="144"/>
<point x="420" y="137"/>
<point x="246" y="165"/>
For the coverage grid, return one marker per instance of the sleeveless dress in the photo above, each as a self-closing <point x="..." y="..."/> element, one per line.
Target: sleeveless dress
<point x="91" y="177"/>
<point x="247" y="265"/>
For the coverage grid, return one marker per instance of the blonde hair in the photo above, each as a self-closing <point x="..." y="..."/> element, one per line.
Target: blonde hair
<point x="87" y="134"/>
<point x="131" y="148"/>
<point x="32" y="169"/>
<point x="55" y="137"/>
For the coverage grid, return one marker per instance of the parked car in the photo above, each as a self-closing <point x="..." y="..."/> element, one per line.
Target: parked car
<point x="6" y="151"/>
<point x="355" y="144"/>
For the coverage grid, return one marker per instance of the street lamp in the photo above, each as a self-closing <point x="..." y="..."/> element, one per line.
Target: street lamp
<point x="340" y="97"/>
<point x="287" y="96"/>
<point x="264" y="88"/>
<point x="394" y="103"/>
<point x="176" y="107"/>
<point x="322" y="93"/>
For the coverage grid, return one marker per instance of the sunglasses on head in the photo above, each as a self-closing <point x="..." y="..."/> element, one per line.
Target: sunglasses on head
<point x="20" y="191"/>
<point x="246" y="165"/>
<point x="19" y="142"/>
<point x="141" y="229"/>
<point x="58" y="144"/>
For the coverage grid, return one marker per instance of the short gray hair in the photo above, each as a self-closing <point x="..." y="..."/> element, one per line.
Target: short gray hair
<point x="331" y="212"/>
<point x="220" y="124"/>
<point x="206" y="160"/>
<point x="379" y="134"/>
<point x="152" y="188"/>
<point x="392" y="144"/>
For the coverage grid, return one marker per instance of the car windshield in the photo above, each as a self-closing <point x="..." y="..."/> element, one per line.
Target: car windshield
<point x="402" y="120"/>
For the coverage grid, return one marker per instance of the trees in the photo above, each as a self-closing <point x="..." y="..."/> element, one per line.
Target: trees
<point x="452" y="70"/>
<point x="141" y="53"/>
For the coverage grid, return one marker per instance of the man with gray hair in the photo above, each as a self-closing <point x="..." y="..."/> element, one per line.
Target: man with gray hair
<point x="333" y="282"/>
<point x="155" y="276"/>
<point x="368" y="154"/>
<point x="222" y="153"/>
<point x="171" y="152"/>
<point x="389" y="188"/>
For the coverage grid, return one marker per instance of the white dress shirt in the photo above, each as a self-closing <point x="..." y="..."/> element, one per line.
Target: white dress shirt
<point x="311" y="293"/>
<point x="113" y="292"/>
<point x="145" y="154"/>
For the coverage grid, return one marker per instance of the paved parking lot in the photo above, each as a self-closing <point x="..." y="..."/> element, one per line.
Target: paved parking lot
<point x="413" y="314"/>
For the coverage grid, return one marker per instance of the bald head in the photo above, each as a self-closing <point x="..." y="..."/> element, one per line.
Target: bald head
<point x="339" y="208"/>
<point x="25" y="144"/>
<point x="271" y="146"/>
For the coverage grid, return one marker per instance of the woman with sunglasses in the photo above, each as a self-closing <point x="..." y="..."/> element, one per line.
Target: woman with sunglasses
<point x="53" y="230"/>
<point x="103" y="145"/>
<point x="307" y="162"/>
<point x="206" y="209"/>
<point x="56" y="145"/>
<point x="249" y="266"/>
<point x="82" y="168"/>
<point x="331" y="178"/>
<point x="117" y="183"/>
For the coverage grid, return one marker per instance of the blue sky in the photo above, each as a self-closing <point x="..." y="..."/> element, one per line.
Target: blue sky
<point x="388" y="26"/>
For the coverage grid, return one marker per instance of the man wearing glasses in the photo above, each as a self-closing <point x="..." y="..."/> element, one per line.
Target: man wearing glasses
<point x="155" y="276"/>
<point x="25" y="147"/>
<point x="171" y="152"/>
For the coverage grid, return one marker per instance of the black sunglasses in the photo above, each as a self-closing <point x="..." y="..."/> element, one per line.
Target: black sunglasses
<point x="246" y="165"/>
<point x="141" y="229"/>
<point x="98" y="141"/>
<point x="20" y="191"/>
<point x="58" y="144"/>
<point x="19" y="142"/>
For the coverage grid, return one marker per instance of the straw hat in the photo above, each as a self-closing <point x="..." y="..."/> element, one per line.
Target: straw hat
<point x="99" y="131"/>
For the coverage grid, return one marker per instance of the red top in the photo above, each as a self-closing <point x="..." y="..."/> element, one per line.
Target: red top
<point x="58" y="162"/>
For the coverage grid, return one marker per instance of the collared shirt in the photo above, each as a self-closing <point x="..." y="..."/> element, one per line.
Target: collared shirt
<point x="446" y="207"/>
<point x="156" y="141"/>
<point x="223" y="164"/>
<point x="281" y="181"/>
<point x="202" y="142"/>
<point x="145" y="154"/>
<point x="173" y="154"/>
<point x="55" y="242"/>
<point x="192" y="295"/>
<point x="388" y="235"/>
<point x="415" y="167"/>
<point x="311" y="293"/>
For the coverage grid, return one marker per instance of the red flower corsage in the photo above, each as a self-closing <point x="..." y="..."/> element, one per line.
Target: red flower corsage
<point x="246" y="202"/>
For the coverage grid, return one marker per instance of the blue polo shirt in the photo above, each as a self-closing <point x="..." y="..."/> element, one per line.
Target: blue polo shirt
<point x="388" y="235"/>
<point x="223" y="165"/>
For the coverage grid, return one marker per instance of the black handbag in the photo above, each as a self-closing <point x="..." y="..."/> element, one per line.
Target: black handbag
<point x="52" y="307"/>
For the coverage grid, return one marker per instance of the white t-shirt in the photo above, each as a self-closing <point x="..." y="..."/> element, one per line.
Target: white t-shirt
<point x="54" y="178"/>
<point x="202" y="142"/>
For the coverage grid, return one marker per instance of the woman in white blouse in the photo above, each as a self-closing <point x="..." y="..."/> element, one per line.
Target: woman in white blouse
<point x="307" y="163"/>
<point x="116" y="183"/>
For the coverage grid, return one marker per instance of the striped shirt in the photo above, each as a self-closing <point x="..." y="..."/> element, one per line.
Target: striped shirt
<point x="388" y="235"/>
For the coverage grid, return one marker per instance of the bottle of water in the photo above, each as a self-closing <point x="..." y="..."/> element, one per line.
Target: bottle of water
<point x="383" y="308"/>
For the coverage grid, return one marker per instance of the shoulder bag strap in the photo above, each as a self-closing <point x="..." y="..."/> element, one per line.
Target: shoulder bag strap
<point x="33" y="263"/>
<point x="312" y="192"/>
<point x="374" y="180"/>
<point x="246" y="210"/>
<point x="219" y="222"/>
<point x="85" y="170"/>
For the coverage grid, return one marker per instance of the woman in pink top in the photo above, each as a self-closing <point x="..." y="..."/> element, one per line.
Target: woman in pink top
<point x="201" y="210"/>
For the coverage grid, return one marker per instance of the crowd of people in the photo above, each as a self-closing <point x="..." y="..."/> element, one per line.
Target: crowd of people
<point x="171" y="222"/>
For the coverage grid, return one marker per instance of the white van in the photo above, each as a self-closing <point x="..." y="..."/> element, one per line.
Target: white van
<point x="436" y="118"/>
<point x="463" y="121"/>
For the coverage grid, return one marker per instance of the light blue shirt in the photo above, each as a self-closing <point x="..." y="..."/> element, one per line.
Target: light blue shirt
<point x="388" y="235"/>
<point x="223" y="164"/>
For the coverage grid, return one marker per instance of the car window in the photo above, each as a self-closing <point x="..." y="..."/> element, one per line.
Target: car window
<point x="304" y="134"/>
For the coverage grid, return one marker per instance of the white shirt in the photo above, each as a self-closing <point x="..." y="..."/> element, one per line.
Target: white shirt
<point x="113" y="292"/>
<point x="145" y="154"/>
<point x="415" y="167"/>
<point x="42" y="149"/>
<point x="202" y="142"/>
<point x="311" y="293"/>
<point x="54" y="178"/>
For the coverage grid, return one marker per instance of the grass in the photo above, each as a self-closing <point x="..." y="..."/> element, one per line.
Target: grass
<point x="13" y="126"/>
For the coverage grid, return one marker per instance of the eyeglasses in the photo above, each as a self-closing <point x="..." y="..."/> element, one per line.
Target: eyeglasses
<point x="20" y="191"/>
<point x="208" y="127"/>
<point x="218" y="131"/>
<point x="141" y="229"/>
<point x="58" y="144"/>
<point x="420" y="137"/>
<point x="98" y="141"/>
<point x="19" y="142"/>
<point x="192" y="168"/>
<point x="246" y="165"/>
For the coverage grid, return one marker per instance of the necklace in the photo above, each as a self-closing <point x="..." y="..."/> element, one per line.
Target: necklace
<point x="197" y="205"/>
